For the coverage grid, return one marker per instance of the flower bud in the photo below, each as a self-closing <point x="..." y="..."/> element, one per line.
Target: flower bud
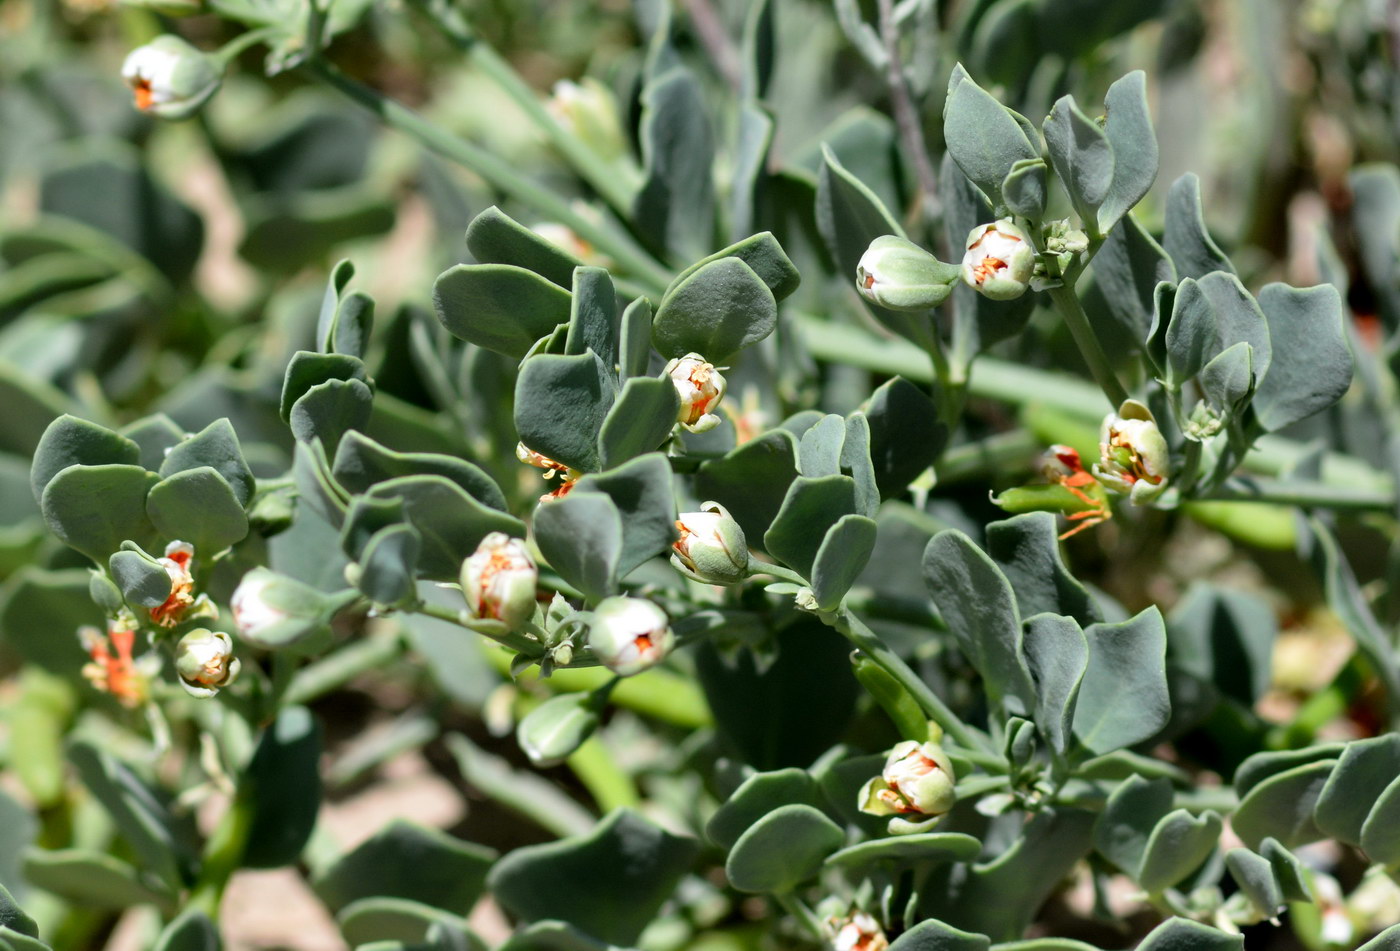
<point x="915" y="786"/>
<point x="711" y="548"/>
<point x="859" y="932"/>
<point x="205" y="662"/>
<point x="553" y="731"/>
<point x="274" y="611"/>
<point x="1133" y="457"/>
<point x="499" y="579"/>
<point x="700" y="387"/>
<point x="588" y="109"/>
<point x="897" y="274"/>
<point x="999" y="261"/>
<point x="178" y="558"/>
<point x="170" y="78"/>
<point x="630" y="634"/>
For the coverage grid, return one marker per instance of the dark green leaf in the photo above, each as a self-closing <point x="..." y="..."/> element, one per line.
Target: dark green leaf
<point x="70" y="441"/>
<point x="905" y="434"/>
<point x="1123" y="698"/>
<point x="936" y="936"/>
<point x="283" y="789"/>
<point x="307" y="369"/>
<point x="640" y="420"/>
<point x="198" y="506"/>
<point x="499" y="306"/>
<point x="580" y="536"/>
<point x="1182" y="934"/>
<point x="142" y="581"/>
<point x="405" y="923"/>
<point x="1387" y="940"/>
<point x="192" y="931"/>
<point x="95" y="508"/>
<point x="13" y="917"/>
<point x="593" y="318"/>
<point x="718" y="310"/>
<point x="810" y="509"/>
<point x="495" y="238"/>
<point x="635" y="339"/>
<point x="644" y="497"/>
<point x="1129" y="266"/>
<point x="329" y="410"/>
<point x="1261" y="766"/>
<point x="412" y="861"/>
<point x="757" y="796"/>
<point x="752" y="481"/>
<point x="561" y="403"/>
<point x="610" y="883"/>
<point x="783" y="849"/>
<point x="918" y="850"/>
<point x="1226" y="638"/>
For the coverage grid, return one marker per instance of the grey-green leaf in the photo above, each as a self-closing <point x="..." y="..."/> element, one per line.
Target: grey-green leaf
<point x="493" y="237"/>
<point x="983" y="136"/>
<point x="142" y="581"/>
<point x="1128" y="126"/>
<point x="1380" y="835"/>
<point x="1255" y="876"/>
<point x="70" y="441"/>
<point x="843" y="555"/>
<point x="553" y="731"/>
<point x="1123" y="829"/>
<point x="1178" y="845"/>
<point x="1312" y="364"/>
<point x="757" y="796"/>
<point x="811" y="507"/>
<point x="1027" y="550"/>
<point x="718" y="310"/>
<point x="675" y="206"/>
<point x="1186" y="239"/>
<point x="198" y="506"/>
<point x="934" y="935"/>
<point x="499" y="306"/>
<point x="191" y="931"/>
<point x="1281" y="806"/>
<point x="95" y="508"/>
<point x="215" y="446"/>
<point x="1364" y="771"/>
<point x="783" y="849"/>
<point x="283" y="789"/>
<point x="764" y="256"/>
<point x="580" y="536"/>
<point x="1182" y="934"/>
<point x="640" y="420"/>
<point x="593" y="317"/>
<point x="410" y="861"/>
<point x="1057" y="653"/>
<point x="1210" y="315"/>
<point x="92" y="878"/>
<point x="1082" y="157"/>
<point x="643" y="493"/>
<point x="561" y="403"/>
<point x="1123" y="699"/>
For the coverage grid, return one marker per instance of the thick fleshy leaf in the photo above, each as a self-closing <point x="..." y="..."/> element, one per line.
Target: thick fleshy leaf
<point x="388" y="565"/>
<point x="810" y="509"/>
<point x="752" y="481"/>
<point x="1128" y="126"/>
<point x="561" y="403"/>
<point x="1123" y="698"/>
<point x="553" y="731"/>
<point x="634" y="346"/>
<point x="718" y="310"/>
<point x="1210" y="315"/>
<point x="70" y="441"/>
<point x="1131" y="814"/>
<point x="329" y="410"/>
<point x="1027" y="550"/>
<point x="644" y="496"/>
<point x="983" y="136"/>
<point x="155" y="434"/>
<point x="675" y="206"/>
<point x="1281" y="806"/>
<point x="143" y="582"/>
<point x="1262" y="766"/>
<point x="1179" y="843"/>
<point x="921" y="849"/>
<point x="1057" y="653"/>
<point x="905" y="434"/>
<point x="1227" y="381"/>
<point x="979" y="607"/>
<point x="1255" y="876"/>
<point x="499" y="306"/>
<point x="191" y="931"/>
<point x="91" y="878"/>
<point x="1365" y="770"/>
<point x="593" y="317"/>
<point x="307" y="369"/>
<point x="493" y="237"/>
<point x="1082" y="157"/>
<point x="936" y="936"/>
<point x="783" y="849"/>
<point x="1182" y="934"/>
<point x="1226" y="638"/>
<point x="283" y="789"/>
<point x="609" y="883"/>
<point x="411" y="861"/>
<point x="757" y="796"/>
<point x="451" y="522"/>
<point x="1129" y="266"/>
<point x="346" y="320"/>
<point x="1380" y="835"/>
<point x="764" y="256"/>
<point x="405" y="924"/>
<point x="640" y="420"/>
<point x="1186" y="239"/>
<point x="1312" y="365"/>
<point x="95" y="508"/>
<point x="198" y="506"/>
<point x="360" y="463"/>
<point x="580" y="536"/>
<point x="215" y="446"/>
<point x="843" y="555"/>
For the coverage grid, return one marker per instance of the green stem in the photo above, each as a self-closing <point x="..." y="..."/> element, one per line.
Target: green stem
<point x="798" y="909"/>
<point x="1078" y="323"/>
<point x="330" y="673"/>
<point x="1305" y="494"/>
<point x="513" y="639"/>
<point x="223" y="854"/>
<point x="609" y="239"/>
<point x="238" y="44"/>
<point x="610" y="787"/>
<point x="615" y="183"/>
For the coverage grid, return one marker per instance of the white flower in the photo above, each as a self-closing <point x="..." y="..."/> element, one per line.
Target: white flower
<point x="859" y="932"/>
<point x="630" y="634"/>
<point x="499" y="579"/>
<point x="251" y="610"/>
<point x="170" y="78"/>
<point x="914" y="788"/>
<point x="999" y="261"/>
<point x="897" y="274"/>
<point x="1133" y="455"/>
<point x="712" y="548"/>
<point x="205" y="662"/>
<point x="700" y="388"/>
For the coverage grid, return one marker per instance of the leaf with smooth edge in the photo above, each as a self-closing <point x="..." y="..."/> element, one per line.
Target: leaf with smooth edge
<point x="1380" y="834"/>
<point x="154" y="434"/>
<point x="1123" y="698"/>
<point x="675" y="207"/>
<point x="553" y="731"/>
<point x="718" y="310"/>
<point x="143" y="583"/>
<point x="1261" y="766"/>
<point x="812" y="506"/>
<point x="1282" y="807"/>
<point x="1027" y="550"/>
<point x="644" y="494"/>
<point x="91" y="878"/>
<point x="640" y="420"/>
<point x="493" y="237"/>
<point x="905" y="434"/>
<point x="1131" y="814"/>
<point x="593" y="317"/>
<point x="404" y="922"/>
<point x="1224" y="637"/>
<point x="311" y="472"/>
<point x="283" y="789"/>
<point x="1056" y="653"/>
<point x="1227" y="381"/>
<point x="764" y="256"/>
<point x="192" y="931"/>
<point x="1128" y="126"/>
<point x="1312" y="364"/>
<point x="634" y="347"/>
<point x="1387" y="940"/>
<point x="783" y="849"/>
<point x="451" y="522"/>
<point x="983" y="136"/>
<point x="1082" y="157"/>
<point x="1182" y="934"/>
<point x="751" y="481"/>
<point x="757" y="796"/>
<point x="1024" y="189"/>
<point x="1255" y="876"/>
<point x="1364" y="771"/>
<point x="95" y="508"/>
<point x="198" y="506"/>
<point x="843" y="555"/>
<point x="70" y="441"/>
<point x="1129" y="266"/>
<point x="979" y="607"/>
<point x="1178" y="845"/>
<point x="609" y="883"/>
<point x="410" y="861"/>
<point x="13" y="918"/>
<point x="361" y="463"/>
<point x="561" y="403"/>
<point x="307" y="369"/>
<point x="552" y="936"/>
<point x="921" y="849"/>
<point x="499" y="306"/>
<point x="388" y="565"/>
<point x="1293" y="876"/>
<point x="1210" y="315"/>
<point x="934" y="935"/>
<point x="819" y="449"/>
<point x="856" y="459"/>
<point x="329" y="410"/>
<point x="580" y="536"/>
<point x="1186" y="239"/>
<point x="215" y="446"/>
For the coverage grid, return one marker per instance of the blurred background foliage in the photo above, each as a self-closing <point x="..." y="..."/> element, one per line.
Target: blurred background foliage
<point x="175" y="267"/>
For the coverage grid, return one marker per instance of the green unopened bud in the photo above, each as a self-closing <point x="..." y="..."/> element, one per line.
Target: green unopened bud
<point x="499" y="579"/>
<point x="1133" y="456"/>
<point x="170" y="78"/>
<point x="999" y="261"/>
<point x="897" y="274"/>
<point x="630" y="634"/>
<point x="274" y="611"/>
<point x="205" y="662"/>
<point x="589" y="110"/>
<point x="554" y="730"/>
<point x="700" y="387"/>
<point x="914" y="788"/>
<point x="711" y="548"/>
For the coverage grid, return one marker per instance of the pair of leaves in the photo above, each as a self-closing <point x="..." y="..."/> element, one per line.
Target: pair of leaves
<point x="1153" y="844"/>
